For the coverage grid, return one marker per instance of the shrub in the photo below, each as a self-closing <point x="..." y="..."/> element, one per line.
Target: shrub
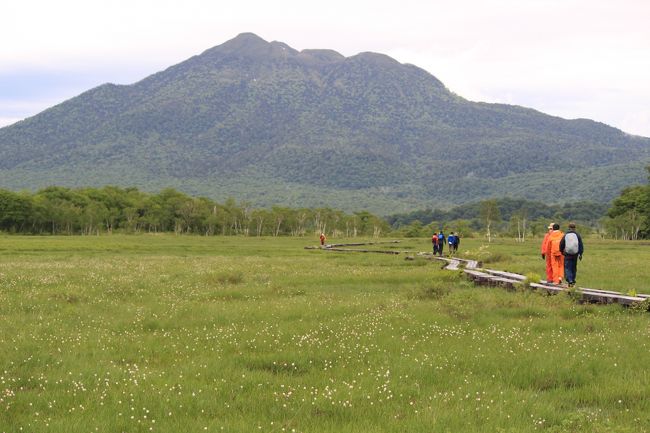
<point x="532" y="277"/>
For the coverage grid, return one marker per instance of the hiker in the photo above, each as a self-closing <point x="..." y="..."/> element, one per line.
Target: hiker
<point x="557" y="259"/>
<point x="547" y="257"/>
<point x="434" y="242"/>
<point x="322" y="239"/>
<point x="441" y="242"/>
<point x="572" y="249"/>
<point x="456" y="242"/>
<point x="451" y="241"/>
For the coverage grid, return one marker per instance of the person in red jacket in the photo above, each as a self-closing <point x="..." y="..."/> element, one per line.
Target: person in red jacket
<point x="434" y="242"/>
<point x="547" y="257"/>
<point x="322" y="239"/>
<point x="553" y="250"/>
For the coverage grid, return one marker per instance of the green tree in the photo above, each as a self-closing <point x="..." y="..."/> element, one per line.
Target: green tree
<point x="15" y="210"/>
<point x="629" y="216"/>
<point x="414" y="230"/>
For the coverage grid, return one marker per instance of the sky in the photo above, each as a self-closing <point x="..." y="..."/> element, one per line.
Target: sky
<point x="568" y="58"/>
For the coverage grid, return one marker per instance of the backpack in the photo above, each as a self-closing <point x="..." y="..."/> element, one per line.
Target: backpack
<point x="441" y="237"/>
<point x="571" y="244"/>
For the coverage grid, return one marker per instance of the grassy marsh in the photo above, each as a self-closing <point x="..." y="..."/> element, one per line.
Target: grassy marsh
<point x="193" y="334"/>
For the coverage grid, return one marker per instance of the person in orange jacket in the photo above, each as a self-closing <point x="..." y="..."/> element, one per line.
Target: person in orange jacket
<point x="547" y="257"/>
<point x="553" y="250"/>
<point x="322" y="239"/>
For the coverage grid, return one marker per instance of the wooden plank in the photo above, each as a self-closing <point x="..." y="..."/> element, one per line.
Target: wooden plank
<point x="505" y="282"/>
<point x="363" y="243"/>
<point x="619" y="299"/>
<point x="611" y="292"/>
<point x="638" y="295"/>
<point x="510" y="275"/>
<point x="548" y="288"/>
<point x="479" y="277"/>
<point x="362" y="251"/>
<point x="476" y="274"/>
<point x="593" y="295"/>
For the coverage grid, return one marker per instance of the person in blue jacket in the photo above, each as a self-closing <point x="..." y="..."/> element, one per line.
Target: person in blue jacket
<point x="441" y="242"/>
<point x="450" y="242"/>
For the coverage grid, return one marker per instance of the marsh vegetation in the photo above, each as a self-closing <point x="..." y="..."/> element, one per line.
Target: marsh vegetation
<point x="172" y="333"/>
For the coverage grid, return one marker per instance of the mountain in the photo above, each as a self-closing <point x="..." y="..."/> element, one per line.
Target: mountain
<point x="262" y="122"/>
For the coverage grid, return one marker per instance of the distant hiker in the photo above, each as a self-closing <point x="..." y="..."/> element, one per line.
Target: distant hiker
<point x="322" y="239"/>
<point x="557" y="259"/>
<point x="547" y="257"/>
<point x="572" y="249"/>
<point x="451" y="241"/>
<point x="434" y="242"/>
<point x="456" y="242"/>
<point x="441" y="242"/>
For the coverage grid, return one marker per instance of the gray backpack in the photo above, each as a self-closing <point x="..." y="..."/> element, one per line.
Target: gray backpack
<point x="571" y="245"/>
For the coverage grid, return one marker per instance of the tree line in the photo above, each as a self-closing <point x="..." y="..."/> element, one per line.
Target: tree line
<point x="509" y="217"/>
<point x="86" y="211"/>
<point x="89" y="211"/>
<point x="627" y="217"/>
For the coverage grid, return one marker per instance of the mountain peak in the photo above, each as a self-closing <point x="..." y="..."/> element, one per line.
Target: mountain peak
<point x="244" y="42"/>
<point x="249" y="45"/>
<point x="375" y="58"/>
<point x="257" y="118"/>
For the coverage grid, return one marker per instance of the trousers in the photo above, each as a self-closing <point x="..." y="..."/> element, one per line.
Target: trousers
<point x="557" y="265"/>
<point x="570" y="268"/>
<point x="549" y="269"/>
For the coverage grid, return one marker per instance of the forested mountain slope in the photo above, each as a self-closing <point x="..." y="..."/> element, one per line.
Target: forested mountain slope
<point x="263" y="122"/>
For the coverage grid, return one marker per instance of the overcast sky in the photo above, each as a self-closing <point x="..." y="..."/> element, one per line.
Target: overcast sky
<point x="570" y="58"/>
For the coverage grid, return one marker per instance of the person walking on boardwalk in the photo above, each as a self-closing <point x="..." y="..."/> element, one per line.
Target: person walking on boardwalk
<point x="322" y="239"/>
<point x="572" y="249"/>
<point x="450" y="242"/>
<point x="434" y="242"/>
<point x="456" y="242"/>
<point x="547" y="257"/>
<point x="557" y="259"/>
<point x="441" y="242"/>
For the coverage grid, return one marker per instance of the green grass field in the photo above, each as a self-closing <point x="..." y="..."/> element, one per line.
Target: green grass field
<point x="195" y="334"/>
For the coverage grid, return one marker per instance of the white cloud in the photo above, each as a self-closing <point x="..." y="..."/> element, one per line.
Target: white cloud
<point x="497" y="51"/>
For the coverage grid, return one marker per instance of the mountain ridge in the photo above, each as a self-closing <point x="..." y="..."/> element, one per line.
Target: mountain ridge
<point x="265" y="113"/>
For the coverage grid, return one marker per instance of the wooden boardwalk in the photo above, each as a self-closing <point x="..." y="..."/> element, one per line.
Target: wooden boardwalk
<point x="510" y="280"/>
<point x="496" y="278"/>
